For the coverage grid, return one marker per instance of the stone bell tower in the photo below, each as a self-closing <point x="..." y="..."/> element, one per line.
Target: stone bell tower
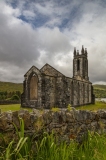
<point x="80" y="65"/>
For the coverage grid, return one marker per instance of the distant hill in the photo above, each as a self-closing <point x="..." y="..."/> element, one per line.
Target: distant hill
<point x="99" y="86"/>
<point x="99" y="91"/>
<point x="11" y="87"/>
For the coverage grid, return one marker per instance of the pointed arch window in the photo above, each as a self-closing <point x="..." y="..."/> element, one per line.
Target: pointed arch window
<point x="86" y="65"/>
<point x="34" y="87"/>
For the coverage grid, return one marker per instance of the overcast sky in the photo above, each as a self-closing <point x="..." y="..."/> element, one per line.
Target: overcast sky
<point x="35" y="32"/>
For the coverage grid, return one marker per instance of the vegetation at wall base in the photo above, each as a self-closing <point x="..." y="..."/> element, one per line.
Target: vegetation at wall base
<point x="12" y="107"/>
<point x="92" y="107"/>
<point x="93" y="147"/>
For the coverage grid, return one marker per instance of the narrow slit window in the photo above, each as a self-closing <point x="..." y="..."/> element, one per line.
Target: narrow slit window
<point x="78" y="65"/>
<point x="85" y="64"/>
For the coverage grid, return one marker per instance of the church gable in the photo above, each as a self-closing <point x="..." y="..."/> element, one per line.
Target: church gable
<point x="33" y="69"/>
<point x="47" y="87"/>
<point x="49" y="70"/>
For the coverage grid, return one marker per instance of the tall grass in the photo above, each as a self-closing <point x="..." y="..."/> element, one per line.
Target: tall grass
<point x="93" y="147"/>
<point x="22" y="149"/>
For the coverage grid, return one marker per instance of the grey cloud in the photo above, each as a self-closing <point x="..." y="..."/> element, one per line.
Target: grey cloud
<point x="54" y="40"/>
<point x="17" y="41"/>
<point x="90" y="31"/>
<point x="18" y="47"/>
<point x="22" y="46"/>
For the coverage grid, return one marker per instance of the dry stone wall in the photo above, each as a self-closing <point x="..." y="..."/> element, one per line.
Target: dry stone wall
<point x="9" y="102"/>
<point x="67" y="125"/>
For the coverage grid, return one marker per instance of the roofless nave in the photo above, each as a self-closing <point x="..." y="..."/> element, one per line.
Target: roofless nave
<point x="47" y="87"/>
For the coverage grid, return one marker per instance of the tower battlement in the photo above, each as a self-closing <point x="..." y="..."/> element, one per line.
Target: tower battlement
<point x="80" y="64"/>
<point x="83" y="52"/>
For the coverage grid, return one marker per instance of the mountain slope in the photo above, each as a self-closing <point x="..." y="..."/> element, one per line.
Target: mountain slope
<point x="10" y="87"/>
<point x="99" y="91"/>
<point x="98" y="86"/>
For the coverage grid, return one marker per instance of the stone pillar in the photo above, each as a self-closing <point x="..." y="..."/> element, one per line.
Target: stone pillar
<point x="53" y="91"/>
<point x="75" y="93"/>
<point x="90" y="94"/>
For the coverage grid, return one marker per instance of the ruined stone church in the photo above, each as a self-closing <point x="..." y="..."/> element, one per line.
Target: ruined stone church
<point x="47" y="87"/>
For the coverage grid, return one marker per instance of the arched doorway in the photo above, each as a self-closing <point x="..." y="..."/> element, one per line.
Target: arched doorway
<point x="34" y="87"/>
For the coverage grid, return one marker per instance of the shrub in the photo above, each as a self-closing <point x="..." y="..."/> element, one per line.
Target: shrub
<point x="15" y="97"/>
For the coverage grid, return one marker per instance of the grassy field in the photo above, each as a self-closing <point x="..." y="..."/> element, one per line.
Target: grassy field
<point x="12" y="107"/>
<point x="93" y="107"/>
<point x="16" y="107"/>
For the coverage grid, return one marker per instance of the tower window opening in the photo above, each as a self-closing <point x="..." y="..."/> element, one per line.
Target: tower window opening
<point x="85" y="64"/>
<point x="78" y="65"/>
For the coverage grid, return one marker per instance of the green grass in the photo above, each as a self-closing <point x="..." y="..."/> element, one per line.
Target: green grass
<point x="16" y="107"/>
<point x="93" y="107"/>
<point x="11" y="87"/>
<point x="55" y="109"/>
<point x="12" y="107"/>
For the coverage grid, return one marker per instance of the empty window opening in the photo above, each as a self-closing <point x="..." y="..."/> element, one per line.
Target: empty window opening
<point x="34" y="87"/>
<point x="78" y="65"/>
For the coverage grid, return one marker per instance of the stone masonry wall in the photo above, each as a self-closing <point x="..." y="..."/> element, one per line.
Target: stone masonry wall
<point x="51" y="88"/>
<point x="66" y="124"/>
<point x="64" y="91"/>
<point x="25" y="98"/>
